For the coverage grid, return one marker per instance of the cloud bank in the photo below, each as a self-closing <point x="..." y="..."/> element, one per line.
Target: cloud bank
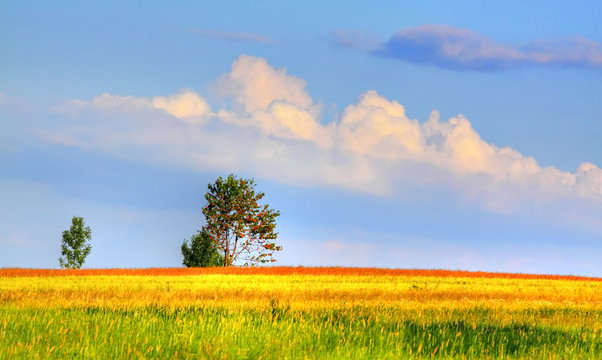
<point x="463" y="49"/>
<point x="272" y="129"/>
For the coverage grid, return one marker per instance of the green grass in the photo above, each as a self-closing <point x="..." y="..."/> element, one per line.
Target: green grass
<point x="277" y="332"/>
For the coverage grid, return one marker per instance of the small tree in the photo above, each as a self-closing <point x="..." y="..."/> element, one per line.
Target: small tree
<point x="239" y="227"/>
<point x="202" y="252"/>
<point x="75" y="248"/>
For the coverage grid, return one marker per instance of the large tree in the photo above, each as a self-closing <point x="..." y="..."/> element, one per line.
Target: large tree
<point x="240" y="228"/>
<point x="75" y="246"/>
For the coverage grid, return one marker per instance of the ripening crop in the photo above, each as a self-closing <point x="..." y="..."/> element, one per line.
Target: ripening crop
<point x="297" y="313"/>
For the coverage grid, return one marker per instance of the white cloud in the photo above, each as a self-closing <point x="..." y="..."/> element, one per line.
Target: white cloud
<point x="378" y="127"/>
<point x="186" y="105"/>
<point x="589" y="179"/>
<point x="272" y="130"/>
<point x="254" y="84"/>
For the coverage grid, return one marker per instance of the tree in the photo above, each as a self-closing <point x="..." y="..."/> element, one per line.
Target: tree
<point x="202" y="251"/>
<point x="75" y="247"/>
<point x="239" y="227"/>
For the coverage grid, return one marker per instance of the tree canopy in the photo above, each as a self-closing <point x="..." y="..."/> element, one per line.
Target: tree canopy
<point x="238" y="225"/>
<point x="75" y="247"/>
<point x="202" y="252"/>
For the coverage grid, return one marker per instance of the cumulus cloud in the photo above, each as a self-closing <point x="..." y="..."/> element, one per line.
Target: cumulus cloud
<point x="378" y="127"/>
<point x="463" y="49"/>
<point x="272" y="129"/>
<point x="185" y="105"/>
<point x="589" y="179"/>
<point x="254" y="84"/>
<point x="233" y="36"/>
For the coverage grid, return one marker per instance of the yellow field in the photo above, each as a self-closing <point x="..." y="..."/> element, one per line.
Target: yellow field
<point x="300" y="292"/>
<point x="484" y="304"/>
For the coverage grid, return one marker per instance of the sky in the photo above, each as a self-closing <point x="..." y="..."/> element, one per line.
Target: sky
<point x="432" y="134"/>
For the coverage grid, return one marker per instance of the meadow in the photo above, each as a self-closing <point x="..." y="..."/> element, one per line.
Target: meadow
<point x="297" y="313"/>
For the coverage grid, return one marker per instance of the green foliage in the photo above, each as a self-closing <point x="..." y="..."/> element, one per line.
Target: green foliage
<point x="202" y="252"/>
<point x="240" y="228"/>
<point x="75" y="247"/>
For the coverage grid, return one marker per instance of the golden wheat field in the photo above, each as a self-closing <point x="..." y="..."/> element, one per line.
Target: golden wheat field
<point x="284" y="312"/>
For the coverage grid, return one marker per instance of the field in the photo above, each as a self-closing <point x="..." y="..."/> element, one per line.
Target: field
<point x="297" y="313"/>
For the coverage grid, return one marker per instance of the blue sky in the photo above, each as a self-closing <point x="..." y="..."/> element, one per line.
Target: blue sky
<point x="433" y="134"/>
